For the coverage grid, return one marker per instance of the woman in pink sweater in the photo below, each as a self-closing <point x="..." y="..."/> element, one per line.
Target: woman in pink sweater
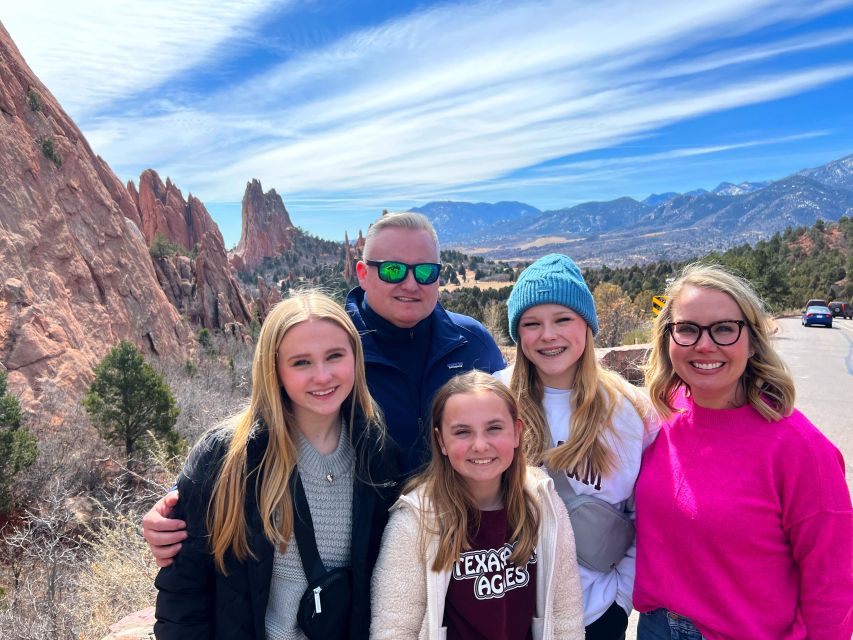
<point x="744" y="521"/>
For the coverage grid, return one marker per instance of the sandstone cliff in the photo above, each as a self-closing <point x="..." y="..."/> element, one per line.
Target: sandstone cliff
<point x="202" y="288"/>
<point x="267" y="298"/>
<point x="267" y="230"/>
<point x="75" y="273"/>
<point x="162" y="209"/>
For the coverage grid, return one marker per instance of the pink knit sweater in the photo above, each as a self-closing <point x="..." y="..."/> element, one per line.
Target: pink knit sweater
<point x="745" y="527"/>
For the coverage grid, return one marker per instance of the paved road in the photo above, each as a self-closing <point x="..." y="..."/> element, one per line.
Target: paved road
<point x="822" y="363"/>
<point x="821" y="360"/>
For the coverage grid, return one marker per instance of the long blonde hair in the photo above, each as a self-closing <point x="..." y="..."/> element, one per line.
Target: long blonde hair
<point x="596" y="393"/>
<point x="269" y="406"/>
<point x="767" y="381"/>
<point x="451" y="504"/>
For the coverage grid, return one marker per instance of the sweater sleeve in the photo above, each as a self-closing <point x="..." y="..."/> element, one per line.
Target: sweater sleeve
<point x="818" y="520"/>
<point x="185" y="598"/>
<point x="398" y="587"/>
<point x="567" y="599"/>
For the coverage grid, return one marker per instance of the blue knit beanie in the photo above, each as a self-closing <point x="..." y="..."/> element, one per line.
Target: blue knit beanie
<point x="552" y="279"/>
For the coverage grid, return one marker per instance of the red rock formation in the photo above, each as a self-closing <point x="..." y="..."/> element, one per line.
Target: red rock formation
<point x="352" y="254"/>
<point x="267" y="230"/>
<point x="219" y="294"/>
<point x="135" y="626"/>
<point x="75" y="273"/>
<point x="202" y="288"/>
<point x="162" y="209"/>
<point x="349" y="262"/>
<point x="267" y="297"/>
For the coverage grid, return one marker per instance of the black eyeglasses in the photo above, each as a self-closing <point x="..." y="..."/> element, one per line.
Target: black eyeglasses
<point x="395" y="272"/>
<point x="723" y="333"/>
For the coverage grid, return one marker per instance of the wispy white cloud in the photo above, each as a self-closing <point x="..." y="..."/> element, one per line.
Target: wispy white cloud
<point x="448" y="100"/>
<point x="500" y="131"/>
<point x="758" y="53"/>
<point x="612" y="167"/>
<point x="92" y="53"/>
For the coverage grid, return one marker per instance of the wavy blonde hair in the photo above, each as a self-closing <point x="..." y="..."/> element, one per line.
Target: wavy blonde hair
<point x="596" y="393"/>
<point x="451" y="503"/>
<point x="767" y="382"/>
<point x="270" y="406"/>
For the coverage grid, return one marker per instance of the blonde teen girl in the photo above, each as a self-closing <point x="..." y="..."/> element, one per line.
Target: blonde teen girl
<point x="311" y="423"/>
<point x="585" y="423"/>
<point x="479" y="546"/>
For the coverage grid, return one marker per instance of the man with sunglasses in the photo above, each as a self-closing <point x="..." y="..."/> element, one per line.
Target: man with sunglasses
<point x="412" y="346"/>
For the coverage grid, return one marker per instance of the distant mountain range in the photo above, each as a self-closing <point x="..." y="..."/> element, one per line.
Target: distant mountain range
<point x="667" y="225"/>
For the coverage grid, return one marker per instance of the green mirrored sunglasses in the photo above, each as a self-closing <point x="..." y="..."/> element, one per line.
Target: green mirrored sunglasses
<point x="395" y="272"/>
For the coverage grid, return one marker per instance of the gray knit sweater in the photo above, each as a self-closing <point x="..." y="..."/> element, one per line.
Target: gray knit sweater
<point x="330" y="503"/>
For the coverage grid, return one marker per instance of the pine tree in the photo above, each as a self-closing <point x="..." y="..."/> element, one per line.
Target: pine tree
<point x="18" y="447"/>
<point x="128" y="400"/>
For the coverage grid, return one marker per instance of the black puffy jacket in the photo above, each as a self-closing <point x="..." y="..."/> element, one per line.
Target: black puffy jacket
<point x="195" y="601"/>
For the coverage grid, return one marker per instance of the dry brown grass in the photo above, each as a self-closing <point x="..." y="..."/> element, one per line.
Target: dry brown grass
<point x="470" y="283"/>
<point x="117" y="581"/>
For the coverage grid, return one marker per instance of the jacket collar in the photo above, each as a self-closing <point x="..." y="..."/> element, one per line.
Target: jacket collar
<point x="536" y="482"/>
<point x="391" y="332"/>
<point x="444" y="332"/>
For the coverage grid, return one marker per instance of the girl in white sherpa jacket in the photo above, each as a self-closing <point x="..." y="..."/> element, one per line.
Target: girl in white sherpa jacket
<point x="479" y="545"/>
<point x="580" y="419"/>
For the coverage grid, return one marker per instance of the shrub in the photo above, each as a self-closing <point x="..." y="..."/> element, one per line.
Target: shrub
<point x="212" y="389"/>
<point x="190" y="369"/>
<point x="42" y="552"/>
<point x="205" y="339"/>
<point x="49" y="151"/>
<point x="18" y="447"/>
<point x="617" y="315"/>
<point x="34" y="100"/>
<point x="118" y="580"/>
<point x="162" y="247"/>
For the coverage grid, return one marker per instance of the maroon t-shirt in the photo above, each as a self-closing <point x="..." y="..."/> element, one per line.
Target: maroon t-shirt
<point x="488" y="598"/>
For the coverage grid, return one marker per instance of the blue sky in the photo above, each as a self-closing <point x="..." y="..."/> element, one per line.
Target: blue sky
<point x="349" y="107"/>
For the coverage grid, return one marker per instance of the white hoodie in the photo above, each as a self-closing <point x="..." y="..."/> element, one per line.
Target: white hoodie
<point x="407" y="598"/>
<point x="628" y="440"/>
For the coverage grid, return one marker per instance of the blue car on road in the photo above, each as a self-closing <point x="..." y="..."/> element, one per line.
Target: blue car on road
<point x="817" y="315"/>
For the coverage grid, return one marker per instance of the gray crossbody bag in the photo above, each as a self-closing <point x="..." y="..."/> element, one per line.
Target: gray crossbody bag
<point x="603" y="532"/>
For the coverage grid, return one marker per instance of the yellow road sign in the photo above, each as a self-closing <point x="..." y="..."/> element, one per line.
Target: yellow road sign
<point x="658" y="303"/>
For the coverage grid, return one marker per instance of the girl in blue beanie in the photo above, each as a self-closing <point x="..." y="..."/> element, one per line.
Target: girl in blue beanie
<point x="585" y="424"/>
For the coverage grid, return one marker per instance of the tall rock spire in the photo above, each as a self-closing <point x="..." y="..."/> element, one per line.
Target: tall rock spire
<point x="267" y="229"/>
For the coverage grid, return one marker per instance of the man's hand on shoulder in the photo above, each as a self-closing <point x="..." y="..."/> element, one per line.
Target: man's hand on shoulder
<point x="163" y="534"/>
